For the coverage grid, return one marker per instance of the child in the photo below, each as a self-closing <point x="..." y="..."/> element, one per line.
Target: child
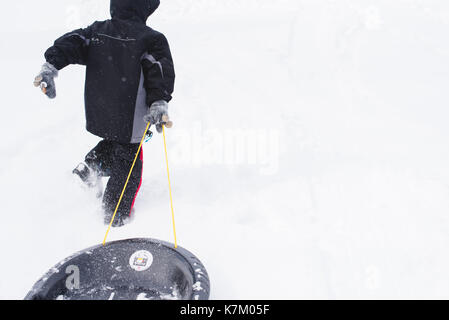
<point x="129" y="81"/>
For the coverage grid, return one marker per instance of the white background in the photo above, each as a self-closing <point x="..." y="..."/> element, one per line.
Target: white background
<point x="337" y="188"/>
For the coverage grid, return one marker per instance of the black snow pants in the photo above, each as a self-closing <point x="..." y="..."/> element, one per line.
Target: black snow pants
<point x="114" y="160"/>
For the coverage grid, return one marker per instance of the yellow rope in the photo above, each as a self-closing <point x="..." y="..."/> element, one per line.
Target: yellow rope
<point x="126" y="184"/>
<point x="169" y="187"/>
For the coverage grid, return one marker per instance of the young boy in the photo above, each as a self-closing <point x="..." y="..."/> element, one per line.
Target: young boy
<point x="129" y="81"/>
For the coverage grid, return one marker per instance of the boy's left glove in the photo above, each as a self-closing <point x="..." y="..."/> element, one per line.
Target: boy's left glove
<point x="158" y="115"/>
<point x="45" y="80"/>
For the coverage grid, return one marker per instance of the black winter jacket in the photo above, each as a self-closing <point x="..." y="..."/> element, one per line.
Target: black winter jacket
<point x="128" y="67"/>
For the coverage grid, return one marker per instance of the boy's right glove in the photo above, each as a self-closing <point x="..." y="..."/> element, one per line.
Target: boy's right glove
<point x="158" y="115"/>
<point x="45" y="80"/>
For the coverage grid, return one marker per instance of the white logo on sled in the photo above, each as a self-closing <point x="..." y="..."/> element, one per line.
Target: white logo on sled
<point x="141" y="260"/>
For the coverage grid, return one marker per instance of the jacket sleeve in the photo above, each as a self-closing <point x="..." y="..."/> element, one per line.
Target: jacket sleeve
<point x="71" y="48"/>
<point x="158" y="71"/>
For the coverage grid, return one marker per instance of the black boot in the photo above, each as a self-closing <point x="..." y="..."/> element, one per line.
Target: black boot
<point x="119" y="220"/>
<point x="90" y="178"/>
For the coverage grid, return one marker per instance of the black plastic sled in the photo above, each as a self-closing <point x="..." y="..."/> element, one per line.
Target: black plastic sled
<point x="134" y="269"/>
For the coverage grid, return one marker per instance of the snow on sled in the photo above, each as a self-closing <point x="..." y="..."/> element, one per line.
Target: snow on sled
<point x="134" y="269"/>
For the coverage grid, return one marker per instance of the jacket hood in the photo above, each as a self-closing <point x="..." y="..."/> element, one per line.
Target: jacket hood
<point x="133" y="9"/>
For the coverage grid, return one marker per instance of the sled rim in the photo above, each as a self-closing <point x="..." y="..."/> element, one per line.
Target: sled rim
<point x="198" y="271"/>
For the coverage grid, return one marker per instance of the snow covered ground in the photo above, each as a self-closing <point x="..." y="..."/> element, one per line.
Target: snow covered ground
<point x="309" y="155"/>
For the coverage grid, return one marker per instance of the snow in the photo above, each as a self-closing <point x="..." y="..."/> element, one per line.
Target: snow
<point x="142" y="296"/>
<point x="197" y="286"/>
<point x="309" y="157"/>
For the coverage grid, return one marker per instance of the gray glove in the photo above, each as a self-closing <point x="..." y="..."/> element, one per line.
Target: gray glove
<point x="157" y="115"/>
<point x="45" y="80"/>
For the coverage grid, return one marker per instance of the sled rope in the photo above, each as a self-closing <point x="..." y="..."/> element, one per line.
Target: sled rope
<point x="126" y="183"/>
<point x="169" y="187"/>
